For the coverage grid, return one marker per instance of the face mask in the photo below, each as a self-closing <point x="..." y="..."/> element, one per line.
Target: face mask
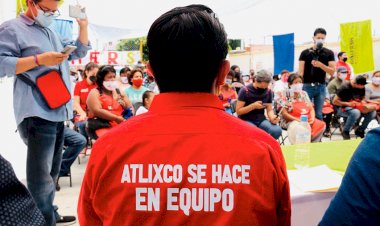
<point x="42" y="19"/>
<point x="137" y="82"/>
<point x="345" y="59"/>
<point x="245" y="78"/>
<point x="229" y="81"/>
<point x="376" y="80"/>
<point x="110" y="85"/>
<point x="124" y="80"/>
<point x="296" y="87"/>
<point x="319" y="43"/>
<point x="260" y="90"/>
<point x="92" y="78"/>
<point x="342" y="76"/>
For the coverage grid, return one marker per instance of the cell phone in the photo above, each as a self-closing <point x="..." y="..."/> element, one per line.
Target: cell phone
<point x="68" y="49"/>
<point x="77" y="11"/>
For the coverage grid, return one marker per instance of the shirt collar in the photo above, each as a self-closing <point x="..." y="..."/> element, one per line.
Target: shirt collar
<point x="26" y="20"/>
<point x="173" y="101"/>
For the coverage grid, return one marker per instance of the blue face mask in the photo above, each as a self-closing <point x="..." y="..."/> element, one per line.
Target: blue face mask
<point x="43" y="20"/>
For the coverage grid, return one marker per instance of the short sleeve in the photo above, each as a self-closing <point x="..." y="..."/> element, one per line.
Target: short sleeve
<point x="303" y="56"/>
<point x="242" y="94"/>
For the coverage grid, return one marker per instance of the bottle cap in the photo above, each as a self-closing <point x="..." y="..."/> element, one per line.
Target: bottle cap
<point x="304" y="118"/>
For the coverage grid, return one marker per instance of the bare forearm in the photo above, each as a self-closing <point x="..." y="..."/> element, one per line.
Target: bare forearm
<point x="78" y="108"/>
<point x="25" y="64"/>
<point x="245" y="110"/>
<point x="327" y="69"/>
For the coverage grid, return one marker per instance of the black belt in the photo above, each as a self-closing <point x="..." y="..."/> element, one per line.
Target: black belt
<point x="315" y="83"/>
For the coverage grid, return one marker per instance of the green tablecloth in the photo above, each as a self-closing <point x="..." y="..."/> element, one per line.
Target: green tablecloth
<point x="335" y="154"/>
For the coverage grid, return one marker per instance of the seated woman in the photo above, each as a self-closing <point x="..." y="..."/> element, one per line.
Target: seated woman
<point x="147" y="101"/>
<point x="136" y="91"/>
<point x="105" y="103"/>
<point x="227" y="93"/>
<point x="372" y="91"/>
<point x="81" y="91"/>
<point x="254" y="99"/>
<point x="295" y="102"/>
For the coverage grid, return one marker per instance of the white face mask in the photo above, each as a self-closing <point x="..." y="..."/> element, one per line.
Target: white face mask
<point x="245" y="78"/>
<point x="110" y="85"/>
<point x="124" y="80"/>
<point x="296" y="87"/>
<point x="342" y="76"/>
<point x="376" y="80"/>
<point x="42" y="19"/>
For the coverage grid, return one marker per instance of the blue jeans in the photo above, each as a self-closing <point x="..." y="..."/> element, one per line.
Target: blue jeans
<point x="353" y="115"/>
<point x="317" y="94"/>
<point x="82" y="127"/>
<point x="274" y="130"/>
<point x="74" y="143"/>
<point x="45" y="141"/>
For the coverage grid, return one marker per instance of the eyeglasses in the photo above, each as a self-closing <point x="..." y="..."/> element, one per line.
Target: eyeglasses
<point x="48" y="12"/>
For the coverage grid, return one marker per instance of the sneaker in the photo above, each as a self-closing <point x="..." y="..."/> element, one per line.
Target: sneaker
<point x="346" y="135"/>
<point x="57" y="186"/>
<point x="360" y="133"/>
<point x="66" y="220"/>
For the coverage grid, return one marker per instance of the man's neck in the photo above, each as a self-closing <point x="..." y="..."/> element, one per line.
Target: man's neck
<point x="29" y="13"/>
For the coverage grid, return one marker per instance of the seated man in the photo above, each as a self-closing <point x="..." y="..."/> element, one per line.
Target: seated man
<point x="351" y="100"/>
<point x="252" y="102"/>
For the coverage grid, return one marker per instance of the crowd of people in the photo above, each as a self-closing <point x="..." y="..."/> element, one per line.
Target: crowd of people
<point x="170" y="159"/>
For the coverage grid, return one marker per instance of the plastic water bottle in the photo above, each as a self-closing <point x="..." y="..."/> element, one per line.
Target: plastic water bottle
<point x="303" y="138"/>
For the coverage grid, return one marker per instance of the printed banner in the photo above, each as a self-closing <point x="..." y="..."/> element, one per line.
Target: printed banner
<point x="356" y="40"/>
<point x="109" y="58"/>
<point x="283" y="46"/>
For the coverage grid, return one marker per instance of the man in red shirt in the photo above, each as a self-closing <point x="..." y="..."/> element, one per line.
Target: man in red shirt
<point x="342" y="62"/>
<point x="186" y="161"/>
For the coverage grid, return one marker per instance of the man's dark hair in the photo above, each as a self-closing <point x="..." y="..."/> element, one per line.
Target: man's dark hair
<point x="178" y="39"/>
<point x="320" y="31"/>
<point x="340" y="54"/>
<point x="103" y="71"/>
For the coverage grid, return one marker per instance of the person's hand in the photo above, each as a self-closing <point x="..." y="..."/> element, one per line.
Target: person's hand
<point x="311" y="120"/>
<point x="82" y="117"/>
<point x="316" y="63"/>
<point x="83" y="23"/>
<point x="227" y="105"/>
<point x="119" y="119"/>
<point x="51" y="58"/>
<point x="258" y="105"/>
<point x="274" y="120"/>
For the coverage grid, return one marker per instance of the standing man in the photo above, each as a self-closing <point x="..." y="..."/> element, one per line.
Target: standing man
<point x="314" y="63"/>
<point x="205" y="166"/>
<point x="29" y="47"/>
<point x="342" y="62"/>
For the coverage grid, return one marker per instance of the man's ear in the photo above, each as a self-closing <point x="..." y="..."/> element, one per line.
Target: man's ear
<point x="223" y="71"/>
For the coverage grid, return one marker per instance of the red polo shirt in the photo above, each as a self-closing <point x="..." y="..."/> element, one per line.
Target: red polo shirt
<point x="185" y="162"/>
<point x="82" y="89"/>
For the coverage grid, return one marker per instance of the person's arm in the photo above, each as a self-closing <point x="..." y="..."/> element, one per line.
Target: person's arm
<point x="45" y="59"/>
<point x="241" y="110"/>
<point x="271" y="115"/>
<point x="288" y="117"/>
<point x="94" y="105"/>
<point x="330" y="68"/>
<point x="301" y="67"/>
<point x="79" y="109"/>
<point x="83" y="31"/>
<point x="357" y="201"/>
<point x="338" y="102"/>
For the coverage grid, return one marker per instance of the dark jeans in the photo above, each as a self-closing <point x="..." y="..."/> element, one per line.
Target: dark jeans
<point x="82" y="127"/>
<point x="74" y="143"/>
<point x="44" y="140"/>
<point x="317" y="94"/>
<point x="353" y="115"/>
